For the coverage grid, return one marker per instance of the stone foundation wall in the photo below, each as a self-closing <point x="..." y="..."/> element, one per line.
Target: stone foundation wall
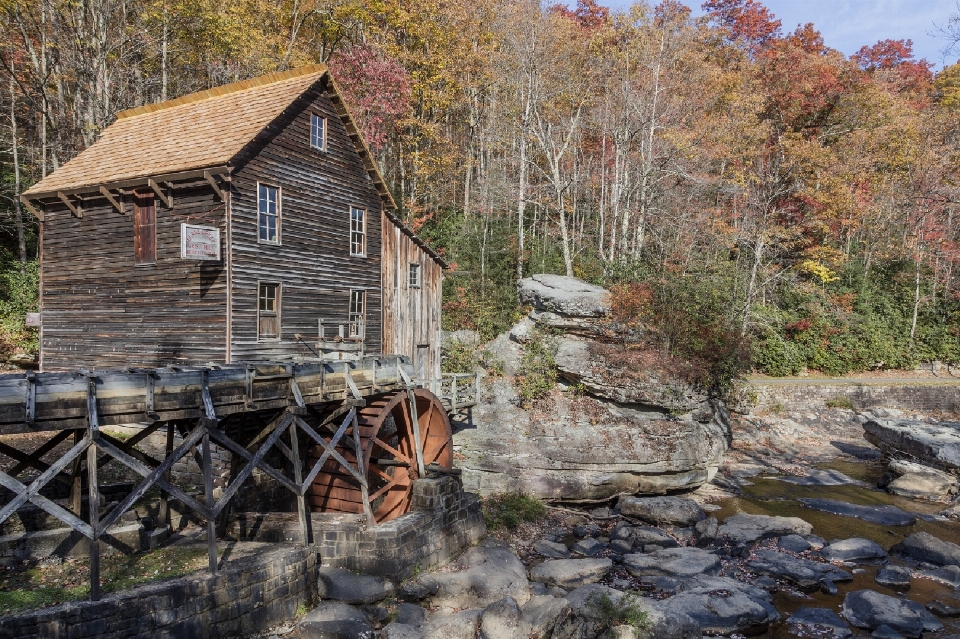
<point x="932" y="398"/>
<point x="248" y="595"/>
<point x="444" y="520"/>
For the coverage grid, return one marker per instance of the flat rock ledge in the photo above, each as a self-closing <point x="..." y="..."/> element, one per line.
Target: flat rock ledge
<point x="571" y="573"/>
<point x="744" y="528"/>
<point x="935" y="444"/>
<point x="870" y="610"/>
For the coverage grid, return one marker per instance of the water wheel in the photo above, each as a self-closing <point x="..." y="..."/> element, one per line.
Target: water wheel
<point x="387" y="440"/>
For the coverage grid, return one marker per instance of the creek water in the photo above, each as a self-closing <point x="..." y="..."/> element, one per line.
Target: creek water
<point x="768" y="496"/>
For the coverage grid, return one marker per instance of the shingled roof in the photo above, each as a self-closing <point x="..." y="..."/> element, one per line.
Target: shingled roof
<point x="196" y="131"/>
<point x="200" y="131"/>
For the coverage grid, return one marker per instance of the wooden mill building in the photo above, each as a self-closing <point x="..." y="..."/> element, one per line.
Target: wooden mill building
<point x="248" y="222"/>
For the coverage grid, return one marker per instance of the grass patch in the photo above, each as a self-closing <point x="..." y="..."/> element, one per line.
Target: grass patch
<point x="840" y="402"/>
<point x="626" y="612"/>
<point x="509" y="510"/>
<point x="46" y="584"/>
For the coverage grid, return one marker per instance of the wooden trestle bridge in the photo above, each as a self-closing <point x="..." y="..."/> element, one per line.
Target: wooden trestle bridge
<point x="354" y="435"/>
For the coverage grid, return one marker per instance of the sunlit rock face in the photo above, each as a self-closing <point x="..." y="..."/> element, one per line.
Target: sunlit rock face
<point x="621" y="421"/>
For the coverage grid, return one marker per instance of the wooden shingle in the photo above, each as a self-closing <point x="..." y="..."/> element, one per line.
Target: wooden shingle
<point x="196" y="131"/>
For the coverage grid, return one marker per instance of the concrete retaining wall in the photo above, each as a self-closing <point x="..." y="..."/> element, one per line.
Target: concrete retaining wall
<point x="931" y="398"/>
<point x="249" y="595"/>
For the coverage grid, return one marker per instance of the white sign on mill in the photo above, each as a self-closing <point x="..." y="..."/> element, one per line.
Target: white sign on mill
<point x="199" y="242"/>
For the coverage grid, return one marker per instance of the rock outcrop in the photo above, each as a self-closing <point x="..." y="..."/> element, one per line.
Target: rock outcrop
<point x="631" y="427"/>
<point x="934" y="444"/>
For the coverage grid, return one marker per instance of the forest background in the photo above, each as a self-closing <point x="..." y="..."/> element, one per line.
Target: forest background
<point x="754" y="198"/>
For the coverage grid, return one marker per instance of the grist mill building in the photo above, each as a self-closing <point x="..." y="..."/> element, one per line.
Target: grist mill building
<point x="244" y="223"/>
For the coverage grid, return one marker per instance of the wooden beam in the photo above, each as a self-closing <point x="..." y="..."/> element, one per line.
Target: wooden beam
<point x="208" y="176"/>
<point x="141" y="181"/>
<point x="116" y="204"/>
<point x="36" y="212"/>
<point x="167" y="201"/>
<point x="77" y="211"/>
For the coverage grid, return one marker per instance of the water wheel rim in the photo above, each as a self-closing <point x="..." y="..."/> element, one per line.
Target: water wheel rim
<point x="386" y="430"/>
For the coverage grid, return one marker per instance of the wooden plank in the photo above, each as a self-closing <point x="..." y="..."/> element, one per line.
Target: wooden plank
<point x="42" y="480"/>
<point x="112" y="200"/>
<point x="48" y="506"/>
<point x="167" y="201"/>
<point x="306" y="521"/>
<point x="93" y="508"/>
<point x="76" y="210"/>
<point x="208" y="493"/>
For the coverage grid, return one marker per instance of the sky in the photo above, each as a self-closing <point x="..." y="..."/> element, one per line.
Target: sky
<point x="847" y="25"/>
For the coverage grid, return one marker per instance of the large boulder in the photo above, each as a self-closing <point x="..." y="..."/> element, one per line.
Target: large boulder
<point x="722" y="609"/>
<point x="335" y="620"/>
<point x="604" y="371"/>
<point x="662" y="622"/>
<point x="342" y="585"/>
<point x="671" y="511"/>
<point x="482" y="575"/>
<point x="564" y="295"/>
<point x="933" y="443"/>
<point x="921" y="482"/>
<point x="672" y="562"/>
<point x="923" y="546"/>
<point x="870" y="610"/>
<point x="851" y="549"/>
<point x="819" y="622"/>
<point x="745" y="528"/>
<point x="593" y="449"/>
<point x="805" y="573"/>
<point x="570" y="573"/>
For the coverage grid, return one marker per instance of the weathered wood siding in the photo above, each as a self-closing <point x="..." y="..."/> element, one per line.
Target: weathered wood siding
<point x="312" y="262"/>
<point x="100" y="311"/>
<point x="411" y="316"/>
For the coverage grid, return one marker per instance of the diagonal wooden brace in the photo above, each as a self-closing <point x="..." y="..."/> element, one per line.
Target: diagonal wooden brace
<point x="28" y="493"/>
<point x="152" y="477"/>
<point x="329" y="451"/>
<point x="254" y="462"/>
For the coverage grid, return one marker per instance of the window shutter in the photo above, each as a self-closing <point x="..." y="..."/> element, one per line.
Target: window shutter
<point x="144" y="229"/>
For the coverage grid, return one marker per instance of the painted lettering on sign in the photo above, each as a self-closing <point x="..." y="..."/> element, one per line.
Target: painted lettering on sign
<point x="199" y="242"/>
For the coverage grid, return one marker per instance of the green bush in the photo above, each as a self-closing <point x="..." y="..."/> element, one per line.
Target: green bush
<point x="840" y="402"/>
<point x="538" y="368"/>
<point x="509" y="510"/>
<point x="628" y="611"/>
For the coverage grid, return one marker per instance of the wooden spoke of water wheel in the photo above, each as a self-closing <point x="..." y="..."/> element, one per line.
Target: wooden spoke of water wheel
<point x="387" y="439"/>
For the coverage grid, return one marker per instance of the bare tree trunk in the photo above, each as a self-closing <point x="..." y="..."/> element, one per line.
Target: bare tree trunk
<point x="916" y="297"/>
<point x="15" y="145"/>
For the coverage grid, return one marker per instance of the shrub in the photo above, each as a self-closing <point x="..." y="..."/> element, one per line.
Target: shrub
<point x="509" y="510"/>
<point x="458" y="357"/>
<point x="538" y="368"/>
<point x="628" y="611"/>
<point x="840" y="402"/>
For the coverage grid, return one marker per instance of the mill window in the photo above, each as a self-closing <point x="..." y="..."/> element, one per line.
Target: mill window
<point x="318" y="132"/>
<point x="414" y="276"/>
<point x="358" y="300"/>
<point x="358" y="231"/>
<point x="144" y="229"/>
<point x="268" y="310"/>
<point x="268" y="205"/>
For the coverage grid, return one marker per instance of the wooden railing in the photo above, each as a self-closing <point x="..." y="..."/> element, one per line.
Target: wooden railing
<point x="456" y="390"/>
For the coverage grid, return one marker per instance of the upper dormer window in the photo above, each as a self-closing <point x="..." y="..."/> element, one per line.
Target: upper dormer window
<point x="318" y="132"/>
<point x="268" y="206"/>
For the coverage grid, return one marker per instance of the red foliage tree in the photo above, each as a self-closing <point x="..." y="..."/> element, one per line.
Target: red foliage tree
<point x="896" y="55"/>
<point x="749" y="22"/>
<point x="376" y="87"/>
<point x="588" y="15"/>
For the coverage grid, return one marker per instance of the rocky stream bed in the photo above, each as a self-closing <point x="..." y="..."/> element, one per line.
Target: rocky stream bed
<point x="673" y="517"/>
